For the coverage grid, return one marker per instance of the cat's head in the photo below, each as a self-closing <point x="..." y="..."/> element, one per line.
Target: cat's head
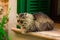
<point x="24" y="19"/>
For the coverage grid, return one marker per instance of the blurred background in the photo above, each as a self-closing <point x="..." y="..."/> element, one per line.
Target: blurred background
<point x="49" y="7"/>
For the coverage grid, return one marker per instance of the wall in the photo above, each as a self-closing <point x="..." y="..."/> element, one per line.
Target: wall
<point x="12" y="18"/>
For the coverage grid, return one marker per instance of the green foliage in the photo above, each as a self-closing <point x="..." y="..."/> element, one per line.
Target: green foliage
<point x="3" y="34"/>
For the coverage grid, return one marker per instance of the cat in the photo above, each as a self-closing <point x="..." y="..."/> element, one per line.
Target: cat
<point x="35" y="22"/>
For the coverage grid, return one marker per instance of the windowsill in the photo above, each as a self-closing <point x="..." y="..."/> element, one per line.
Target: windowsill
<point x="53" y="35"/>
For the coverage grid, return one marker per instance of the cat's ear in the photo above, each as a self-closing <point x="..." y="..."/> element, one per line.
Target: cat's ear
<point x="25" y="13"/>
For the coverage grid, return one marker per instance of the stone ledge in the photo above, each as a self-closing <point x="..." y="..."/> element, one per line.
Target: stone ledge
<point x="53" y="35"/>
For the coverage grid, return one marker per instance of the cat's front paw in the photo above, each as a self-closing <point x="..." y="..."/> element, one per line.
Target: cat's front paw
<point x="16" y="30"/>
<point x="23" y="31"/>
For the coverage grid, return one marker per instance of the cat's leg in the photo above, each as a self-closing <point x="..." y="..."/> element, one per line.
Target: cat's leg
<point x="22" y="30"/>
<point x="49" y="26"/>
<point x="46" y="27"/>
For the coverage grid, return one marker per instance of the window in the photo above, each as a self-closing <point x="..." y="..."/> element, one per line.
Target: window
<point x="32" y="6"/>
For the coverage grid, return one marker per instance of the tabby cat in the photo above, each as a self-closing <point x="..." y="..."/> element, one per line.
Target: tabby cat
<point x="35" y="22"/>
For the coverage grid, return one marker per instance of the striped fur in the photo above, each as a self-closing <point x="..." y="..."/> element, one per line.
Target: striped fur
<point x="35" y="22"/>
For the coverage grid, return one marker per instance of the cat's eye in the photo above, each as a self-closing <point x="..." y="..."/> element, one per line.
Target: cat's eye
<point x="18" y="20"/>
<point x="21" y="21"/>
